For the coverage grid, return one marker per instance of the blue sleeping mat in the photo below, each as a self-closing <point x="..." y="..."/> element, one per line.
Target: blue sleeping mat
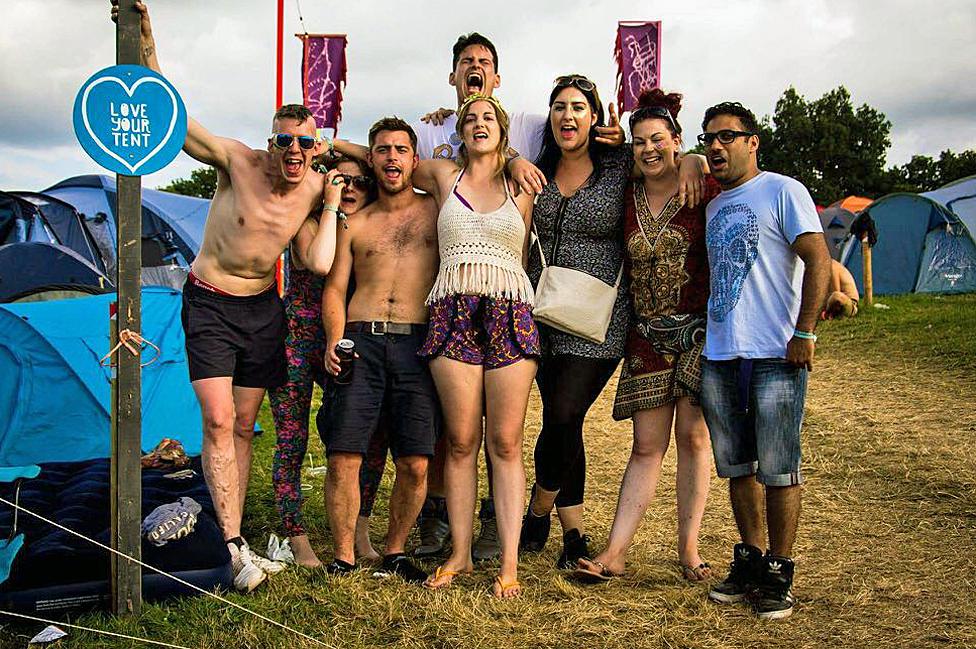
<point x="56" y="571"/>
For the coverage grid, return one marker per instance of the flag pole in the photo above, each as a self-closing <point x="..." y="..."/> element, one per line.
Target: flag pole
<point x="280" y="52"/>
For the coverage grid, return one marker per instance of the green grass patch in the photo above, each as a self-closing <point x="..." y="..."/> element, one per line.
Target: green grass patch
<point x="933" y="329"/>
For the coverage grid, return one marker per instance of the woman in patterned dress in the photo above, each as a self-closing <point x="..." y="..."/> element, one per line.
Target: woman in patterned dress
<point x="661" y="378"/>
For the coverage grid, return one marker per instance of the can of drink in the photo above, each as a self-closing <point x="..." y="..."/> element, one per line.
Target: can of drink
<point x="344" y="349"/>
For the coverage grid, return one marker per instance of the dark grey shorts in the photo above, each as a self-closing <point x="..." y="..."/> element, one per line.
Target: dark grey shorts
<point x="388" y="375"/>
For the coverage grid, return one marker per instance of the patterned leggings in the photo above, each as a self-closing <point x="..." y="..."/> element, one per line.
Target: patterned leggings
<point x="291" y="403"/>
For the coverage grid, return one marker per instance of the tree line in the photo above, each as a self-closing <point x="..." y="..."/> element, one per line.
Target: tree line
<point x="833" y="148"/>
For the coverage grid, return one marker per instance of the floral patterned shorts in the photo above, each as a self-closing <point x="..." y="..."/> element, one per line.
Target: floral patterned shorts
<point x="480" y="330"/>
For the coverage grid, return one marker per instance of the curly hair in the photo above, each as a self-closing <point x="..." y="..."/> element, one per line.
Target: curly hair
<point x="657" y="99"/>
<point x="735" y="109"/>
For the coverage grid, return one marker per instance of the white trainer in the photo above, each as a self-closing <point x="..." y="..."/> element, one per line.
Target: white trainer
<point x="267" y="565"/>
<point x="247" y="576"/>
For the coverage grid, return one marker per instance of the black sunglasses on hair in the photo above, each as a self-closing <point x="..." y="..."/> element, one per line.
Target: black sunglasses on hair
<point x="359" y="182"/>
<point x="725" y="136"/>
<point x="646" y="112"/>
<point x="284" y="140"/>
<point x="581" y="83"/>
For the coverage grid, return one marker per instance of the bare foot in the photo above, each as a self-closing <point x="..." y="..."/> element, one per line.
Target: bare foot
<point x="613" y="565"/>
<point x="304" y="554"/>
<point x="444" y="575"/>
<point x="364" y="548"/>
<point x="506" y="589"/>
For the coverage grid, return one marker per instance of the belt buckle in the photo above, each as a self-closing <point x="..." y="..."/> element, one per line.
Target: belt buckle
<point x="377" y="331"/>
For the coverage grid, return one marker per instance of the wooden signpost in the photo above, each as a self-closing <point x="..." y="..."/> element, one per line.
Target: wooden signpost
<point x="132" y="121"/>
<point x="126" y="468"/>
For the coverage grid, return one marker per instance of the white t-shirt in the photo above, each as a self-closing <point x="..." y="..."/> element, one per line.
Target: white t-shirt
<point x="756" y="278"/>
<point x="525" y="136"/>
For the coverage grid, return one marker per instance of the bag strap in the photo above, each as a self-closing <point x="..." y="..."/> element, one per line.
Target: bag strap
<point x="538" y="242"/>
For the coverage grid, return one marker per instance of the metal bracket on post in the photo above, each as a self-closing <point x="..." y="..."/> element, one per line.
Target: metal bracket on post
<point x="126" y="468"/>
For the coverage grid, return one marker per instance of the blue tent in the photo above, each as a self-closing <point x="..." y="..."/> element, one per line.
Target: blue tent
<point x="55" y="396"/>
<point x="959" y="197"/>
<point x="172" y="224"/>
<point x="922" y="248"/>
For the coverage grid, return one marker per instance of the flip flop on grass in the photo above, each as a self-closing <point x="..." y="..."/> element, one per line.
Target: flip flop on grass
<point x="701" y="572"/>
<point x="443" y="578"/>
<point x="593" y="572"/>
<point x="509" y="590"/>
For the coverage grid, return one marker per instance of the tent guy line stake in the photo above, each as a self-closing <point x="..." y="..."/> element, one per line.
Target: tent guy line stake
<point x="166" y="574"/>
<point x="90" y="630"/>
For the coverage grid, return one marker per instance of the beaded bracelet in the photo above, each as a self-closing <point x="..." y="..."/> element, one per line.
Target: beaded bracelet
<point x="804" y="335"/>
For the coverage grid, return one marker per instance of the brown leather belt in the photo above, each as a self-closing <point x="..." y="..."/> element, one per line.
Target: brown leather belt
<point x="378" y="328"/>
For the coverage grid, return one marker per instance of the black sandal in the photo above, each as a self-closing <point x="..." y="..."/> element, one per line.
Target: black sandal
<point x="589" y="577"/>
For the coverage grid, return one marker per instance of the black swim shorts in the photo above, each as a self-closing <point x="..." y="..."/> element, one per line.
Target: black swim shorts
<point x="240" y="337"/>
<point x="388" y="376"/>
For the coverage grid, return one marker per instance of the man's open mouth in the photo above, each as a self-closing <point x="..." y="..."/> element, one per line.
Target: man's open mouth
<point x="392" y="172"/>
<point x="293" y="165"/>
<point x="716" y="161"/>
<point x="474" y="81"/>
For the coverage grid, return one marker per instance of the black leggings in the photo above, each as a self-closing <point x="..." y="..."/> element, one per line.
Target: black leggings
<point x="569" y="385"/>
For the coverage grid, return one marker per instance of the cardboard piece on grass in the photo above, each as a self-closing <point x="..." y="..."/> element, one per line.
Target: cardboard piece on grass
<point x="130" y="120"/>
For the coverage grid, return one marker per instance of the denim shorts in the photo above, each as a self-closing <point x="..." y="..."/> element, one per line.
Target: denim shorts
<point x="754" y="418"/>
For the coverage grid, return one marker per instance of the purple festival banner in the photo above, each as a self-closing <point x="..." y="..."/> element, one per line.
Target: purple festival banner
<point x="323" y="76"/>
<point x="638" y="54"/>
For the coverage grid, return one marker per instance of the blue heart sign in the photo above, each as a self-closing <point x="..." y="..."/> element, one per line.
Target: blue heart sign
<point x="130" y="120"/>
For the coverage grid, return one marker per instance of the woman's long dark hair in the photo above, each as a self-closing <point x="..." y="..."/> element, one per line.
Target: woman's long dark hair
<point x="550" y="153"/>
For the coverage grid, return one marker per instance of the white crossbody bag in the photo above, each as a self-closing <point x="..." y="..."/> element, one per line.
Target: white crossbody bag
<point x="573" y="301"/>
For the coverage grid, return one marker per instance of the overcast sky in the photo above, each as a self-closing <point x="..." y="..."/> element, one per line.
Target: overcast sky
<point x="913" y="61"/>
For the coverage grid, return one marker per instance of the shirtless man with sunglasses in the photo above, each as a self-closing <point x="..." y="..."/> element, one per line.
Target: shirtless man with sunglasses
<point x="232" y="316"/>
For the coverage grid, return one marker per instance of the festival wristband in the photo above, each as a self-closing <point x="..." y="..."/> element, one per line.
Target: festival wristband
<point x="330" y="208"/>
<point x="804" y="335"/>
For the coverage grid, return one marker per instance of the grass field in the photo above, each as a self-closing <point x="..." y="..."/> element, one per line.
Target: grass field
<point x="886" y="534"/>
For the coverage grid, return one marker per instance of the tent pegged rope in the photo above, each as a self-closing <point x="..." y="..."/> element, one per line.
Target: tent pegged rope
<point x="165" y="574"/>
<point x="158" y="643"/>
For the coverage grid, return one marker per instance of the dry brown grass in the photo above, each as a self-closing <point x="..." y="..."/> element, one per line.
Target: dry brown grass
<point x="882" y="556"/>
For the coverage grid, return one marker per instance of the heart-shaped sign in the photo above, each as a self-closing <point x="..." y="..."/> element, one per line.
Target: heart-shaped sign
<point x="130" y="120"/>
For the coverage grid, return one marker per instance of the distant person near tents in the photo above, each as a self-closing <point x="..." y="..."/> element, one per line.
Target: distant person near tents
<point x="843" y="298"/>
<point x="233" y="318"/>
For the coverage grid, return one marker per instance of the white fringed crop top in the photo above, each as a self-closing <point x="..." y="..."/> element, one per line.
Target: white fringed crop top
<point x="481" y="253"/>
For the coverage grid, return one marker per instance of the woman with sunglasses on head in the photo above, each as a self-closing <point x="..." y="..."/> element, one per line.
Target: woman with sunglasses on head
<point x="661" y="379"/>
<point x="482" y="342"/>
<point x="305" y="349"/>
<point x="579" y="223"/>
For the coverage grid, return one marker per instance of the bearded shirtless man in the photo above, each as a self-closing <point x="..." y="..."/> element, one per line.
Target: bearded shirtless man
<point x="232" y="316"/>
<point x="391" y="246"/>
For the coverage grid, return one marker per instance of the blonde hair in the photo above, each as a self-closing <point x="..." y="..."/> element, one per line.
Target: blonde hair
<point x="503" y="127"/>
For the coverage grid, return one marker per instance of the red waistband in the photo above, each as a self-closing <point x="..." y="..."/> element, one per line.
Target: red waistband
<point x="196" y="281"/>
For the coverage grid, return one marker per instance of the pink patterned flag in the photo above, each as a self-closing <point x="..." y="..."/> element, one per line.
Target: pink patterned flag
<point x="638" y="54"/>
<point x="323" y="76"/>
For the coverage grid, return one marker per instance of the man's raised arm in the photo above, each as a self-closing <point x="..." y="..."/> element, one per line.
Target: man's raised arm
<point x="200" y="144"/>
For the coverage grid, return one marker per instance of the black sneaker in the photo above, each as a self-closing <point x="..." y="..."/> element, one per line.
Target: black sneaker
<point x="775" y="600"/>
<point x="744" y="572"/>
<point x="575" y="547"/>
<point x="339" y="567"/>
<point x="400" y="564"/>
<point x="435" y="533"/>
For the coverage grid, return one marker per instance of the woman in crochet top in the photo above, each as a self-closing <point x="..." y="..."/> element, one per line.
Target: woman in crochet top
<point x="482" y="341"/>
